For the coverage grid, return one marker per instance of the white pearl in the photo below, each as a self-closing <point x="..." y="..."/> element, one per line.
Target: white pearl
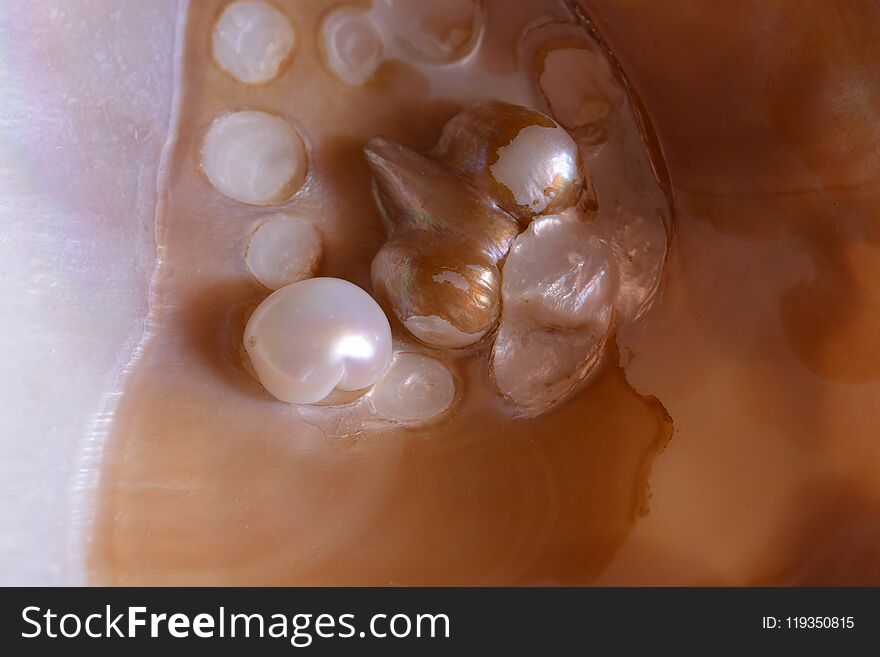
<point x="254" y="157"/>
<point x="283" y="250"/>
<point x="316" y="335"/>
<point x="352" y="46"/>
<point x="252" y="41"/>
<point x="414" y="388"/>
<point x="534" y="162"/>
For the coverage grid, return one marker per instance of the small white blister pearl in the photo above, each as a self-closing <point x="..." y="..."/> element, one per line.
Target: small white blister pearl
<point x="415" y="388"/>
<point x="352" y="46"/>
<point x="314" y="336"/>
<point x="252" y="40"/>
<point x="283" y="250"/>
<point x="253" y="157"/>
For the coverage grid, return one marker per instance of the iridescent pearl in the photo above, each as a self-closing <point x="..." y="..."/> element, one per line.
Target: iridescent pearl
<point x="252" y="41"/>
<point x="254" y="157"/>
<point x="560" y="286"/>
<point x="525" y="160"/>
<point x="536" y="162"/>
<point x="316" y="335"/>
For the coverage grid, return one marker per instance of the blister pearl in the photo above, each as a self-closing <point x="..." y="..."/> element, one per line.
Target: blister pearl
<point x="253" y="157"/>
<point x="415" y="388"/>
<point x="433" y="31"/>
<point x="352" y="46"/>
<point x="580" y="88"/>
<point x="311" y="337"/>
<point x="252" y="41"/>
<point x="283" y="250"/>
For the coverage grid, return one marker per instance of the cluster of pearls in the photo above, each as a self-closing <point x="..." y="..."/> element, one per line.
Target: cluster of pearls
<point x="494" y="237"/>
<point x="453" y="214"/>
<point x="312" y="335"/>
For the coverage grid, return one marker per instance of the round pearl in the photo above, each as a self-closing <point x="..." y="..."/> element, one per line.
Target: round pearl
<point x="254" y="157"/>
<point x="414" y="388"/>
<point x="252" y="41"/>
<point x="316" y="335"/>
<point x="283" y="250"/>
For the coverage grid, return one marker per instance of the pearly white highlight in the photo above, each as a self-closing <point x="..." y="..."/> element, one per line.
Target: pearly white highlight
<point x="534" y="162"/>
<point x="439" y="332"/>
<point x="352" y="46"/>
<point x="252" y="41"/>
<point x="283" y="250"/>
<point x="559" y="273"/>
<point x="314" y="336"/>
<point x="415" y="388"/>
<point x="253" y="157"/>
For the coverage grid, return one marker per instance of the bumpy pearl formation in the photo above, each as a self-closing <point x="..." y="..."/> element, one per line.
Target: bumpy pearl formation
<point x="316" y="335"/>
<point x="494" y="243"/>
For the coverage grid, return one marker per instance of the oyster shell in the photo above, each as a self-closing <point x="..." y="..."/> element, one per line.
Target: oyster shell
<point x="771" y="144"/>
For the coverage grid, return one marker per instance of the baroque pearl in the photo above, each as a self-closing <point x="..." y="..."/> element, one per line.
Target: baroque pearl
<point x="438" y="271"/>
<point x="532" y="165"/>
<point x="253" y="157"/>
<point x="522" y="158"/>
<point x="560" y="287"/>
<point x="252" y="41"/>
<point x="311" y="337"/>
